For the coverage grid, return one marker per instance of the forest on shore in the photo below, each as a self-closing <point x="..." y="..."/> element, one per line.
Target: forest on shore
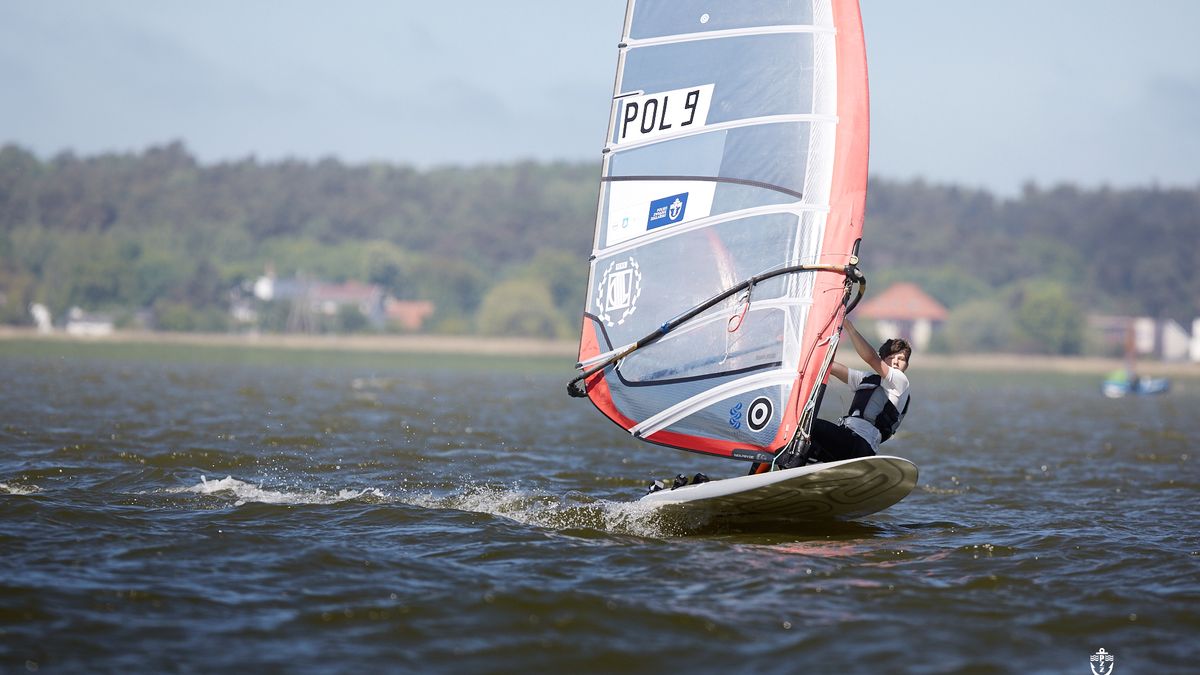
<point x="502" y="249"/>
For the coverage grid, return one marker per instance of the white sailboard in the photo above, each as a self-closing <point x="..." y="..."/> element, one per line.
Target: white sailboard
<point x="731" y="205"/>
<point x="845" y="489"/>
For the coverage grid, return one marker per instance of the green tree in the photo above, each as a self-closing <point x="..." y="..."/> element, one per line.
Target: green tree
<point x="350" y="319"/>
<point x="389" y="266"/>
<point x="564" y="274"/>
<point x="981" y="325"/>
<point x="948" y="284"/>
<point x="520" y="308"/>
<point x="1048" y="319"/>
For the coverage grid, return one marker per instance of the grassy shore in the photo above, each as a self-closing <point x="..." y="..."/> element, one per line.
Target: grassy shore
<point x="448" y="348"/>
<point x="368" y="351"/>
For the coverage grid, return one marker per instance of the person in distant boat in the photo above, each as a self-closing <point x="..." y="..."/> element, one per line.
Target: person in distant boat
<point x="879" y="404"/>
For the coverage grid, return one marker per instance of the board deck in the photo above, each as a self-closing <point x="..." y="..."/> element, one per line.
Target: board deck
<point x="835" y="490"/>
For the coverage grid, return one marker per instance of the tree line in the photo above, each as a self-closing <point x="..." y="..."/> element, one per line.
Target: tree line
<point x="503" y="248"/>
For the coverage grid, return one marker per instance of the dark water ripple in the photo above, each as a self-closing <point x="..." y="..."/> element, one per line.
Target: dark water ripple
<point x="195" y="517"/>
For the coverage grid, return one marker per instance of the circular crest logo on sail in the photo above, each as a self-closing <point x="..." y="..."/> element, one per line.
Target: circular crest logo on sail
<point x="617" y="294"/>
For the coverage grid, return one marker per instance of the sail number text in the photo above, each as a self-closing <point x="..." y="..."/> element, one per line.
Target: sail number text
<point x="662" y="113"/>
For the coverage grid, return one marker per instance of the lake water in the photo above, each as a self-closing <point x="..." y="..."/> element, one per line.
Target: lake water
<point x="194" y="510"/>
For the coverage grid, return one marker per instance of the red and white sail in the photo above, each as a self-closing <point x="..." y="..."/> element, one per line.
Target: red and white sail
<point x="737" y="145"/>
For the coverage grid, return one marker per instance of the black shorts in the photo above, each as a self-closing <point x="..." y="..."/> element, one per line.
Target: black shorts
<point x="833" y="442"/>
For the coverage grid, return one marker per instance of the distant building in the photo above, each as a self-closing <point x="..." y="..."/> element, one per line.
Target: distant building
<point x="1162" y="339"/>
<point x="87" y="324"/>
<point x="904" y="310"/>
<point x="1173" y="342"/>
<point x="327" y="299"/>
<point x="408" y="314"/>
<point x="312" y="298"/>
<point x="1194" y="351"/>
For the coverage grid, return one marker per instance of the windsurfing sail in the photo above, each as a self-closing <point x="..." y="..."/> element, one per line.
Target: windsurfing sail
<point x="731" y="204"/>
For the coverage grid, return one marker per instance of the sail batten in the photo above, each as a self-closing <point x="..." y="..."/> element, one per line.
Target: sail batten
<point x="632" y="43"/>
<point x="736" y="151"/>
<point x="725" y="126"/>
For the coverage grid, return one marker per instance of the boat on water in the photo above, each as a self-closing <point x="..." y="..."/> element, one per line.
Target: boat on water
<point x="730" y="213"/>
<point x="1125" y="381"/>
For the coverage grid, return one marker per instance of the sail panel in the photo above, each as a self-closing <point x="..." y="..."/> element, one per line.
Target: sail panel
<point x="748" y="155"/>
<point x="750" y="412"/>
<point x="747" y="76"/>
<point x="658" y="18"/>
<point x="636" y="291"/>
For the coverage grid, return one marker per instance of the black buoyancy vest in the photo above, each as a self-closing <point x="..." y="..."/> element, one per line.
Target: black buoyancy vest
<point x="872" y="404"/>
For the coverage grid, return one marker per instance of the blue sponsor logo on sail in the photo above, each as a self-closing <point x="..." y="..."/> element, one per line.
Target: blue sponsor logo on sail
<point x="667" y="211"/>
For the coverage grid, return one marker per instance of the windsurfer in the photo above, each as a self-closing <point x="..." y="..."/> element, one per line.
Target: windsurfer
<point x="879" y="404"/>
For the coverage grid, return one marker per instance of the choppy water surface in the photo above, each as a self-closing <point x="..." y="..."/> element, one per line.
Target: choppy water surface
<point x="393" y="516"/>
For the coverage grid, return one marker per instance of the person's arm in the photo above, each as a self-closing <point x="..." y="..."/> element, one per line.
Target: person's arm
<point x="840" y="371"/>
<point x="865" y="351"/>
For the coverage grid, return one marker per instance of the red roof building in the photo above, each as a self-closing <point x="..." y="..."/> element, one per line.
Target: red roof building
<point x="408" y="314"/>
<point x="904" y="310"/>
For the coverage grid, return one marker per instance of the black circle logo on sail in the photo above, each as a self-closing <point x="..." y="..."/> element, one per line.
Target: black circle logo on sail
<point x="759" y="413"/>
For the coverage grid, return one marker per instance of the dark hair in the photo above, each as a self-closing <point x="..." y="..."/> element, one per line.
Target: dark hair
<point x="895" y="346"/>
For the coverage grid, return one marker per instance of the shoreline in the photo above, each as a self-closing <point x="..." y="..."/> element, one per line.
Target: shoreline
<point x="408" y="344"/>
<point x="564" y="349"/>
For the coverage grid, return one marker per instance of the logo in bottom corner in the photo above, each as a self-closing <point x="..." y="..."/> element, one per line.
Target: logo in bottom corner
<point x="1102" y="663"/>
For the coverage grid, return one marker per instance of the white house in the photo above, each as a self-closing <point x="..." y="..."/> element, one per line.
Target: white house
<point x="86" y="324"/>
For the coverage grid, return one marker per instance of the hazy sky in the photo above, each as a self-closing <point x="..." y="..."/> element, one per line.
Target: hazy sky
<point x="981" y="94"/>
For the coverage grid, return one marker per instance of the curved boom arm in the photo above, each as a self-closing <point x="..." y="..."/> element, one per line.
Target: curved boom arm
<point x="577" y="387"/>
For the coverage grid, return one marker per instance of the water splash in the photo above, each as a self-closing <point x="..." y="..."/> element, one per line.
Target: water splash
<point x="7" y="489"/>
<point x="572" y="511"/>
<point x="244" y="493"/>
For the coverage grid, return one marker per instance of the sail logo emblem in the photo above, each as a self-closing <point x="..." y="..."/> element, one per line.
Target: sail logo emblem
<point x="619" y="288"/>
<point x="757" y="415"/>
<point x="1102" y="663"/>
<point x="667" y="211"/>
<point x="676" y="209"/>
<point x="760" y="412"/>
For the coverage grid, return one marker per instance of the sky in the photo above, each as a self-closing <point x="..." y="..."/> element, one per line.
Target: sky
<point x="990" y="95"/>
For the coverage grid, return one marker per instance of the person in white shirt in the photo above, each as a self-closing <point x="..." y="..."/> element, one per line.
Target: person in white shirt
<point x="879" y="405"/>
